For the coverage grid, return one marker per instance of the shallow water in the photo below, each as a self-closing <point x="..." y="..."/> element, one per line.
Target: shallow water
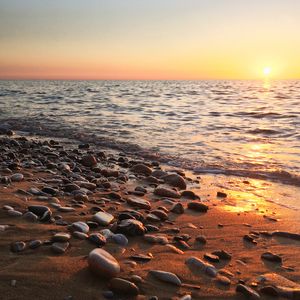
<point x="246" y="128"/>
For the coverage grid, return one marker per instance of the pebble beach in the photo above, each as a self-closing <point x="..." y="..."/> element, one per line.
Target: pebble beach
<point x="79" y="221"/>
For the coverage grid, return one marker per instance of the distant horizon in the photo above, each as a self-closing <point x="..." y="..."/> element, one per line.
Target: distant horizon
<point x="149" y="40"/>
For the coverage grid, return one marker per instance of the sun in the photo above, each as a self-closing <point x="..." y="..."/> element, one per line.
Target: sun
<point x="267" y="71"/>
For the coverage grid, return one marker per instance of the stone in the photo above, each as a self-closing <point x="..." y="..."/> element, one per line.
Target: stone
<point x="18" y="246"/>
<point x="285" y="234"/>
<point x="166" y="277"/>
<point x="156" y="239"/>
<point x="131" y="227"/>
<point x="197" y="206"/>
<point x="14" y="213"/>
<point x="66" y="209"/>
<point x="17" y="177"/>
<point x="175" y="180"/>
<point x="211" y="257"/>
<point x="89" y="161"/>
<point x="271" y="257"/>
<point x="59" y="247"/>
<point x="141" y="257"/>
<point x="103" y="264"/>
<point x="103" y="218"/>
<point x="222" y="254"/>
<point x="61" y="237"/>
<point x="43" y="212"/>
<point x="80" y="235"/>
<point x="165" y="192"/>
<point x="159" y="173"/>
<point x="221" y="195"/>
<point x="80" y="226"/>
<point x="202" y="266"/>
<point x="160" y="214"/>
<point x="177" y="209"/>
<point x="71" y="187"/>
<point x="201" y="239"/>
<point x="120" y="239"/>
<point x="174" y="249"/>
<point x="247" y="291"/>
<point x="139" y="202"/>
<point x="35" y="244"/>
<point x="223" y="280"/>
<point x="30" y="217"/>
<point x="98" y="239"/>
<point x="122" y="286"/>
<point x="141" y="169"/>
<point x="190" y="195"/>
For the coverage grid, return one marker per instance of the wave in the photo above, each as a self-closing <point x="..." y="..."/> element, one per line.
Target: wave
<point x="51" y="128"/>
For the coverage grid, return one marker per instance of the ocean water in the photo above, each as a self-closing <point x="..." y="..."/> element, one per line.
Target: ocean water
<point x="244" y="128"/>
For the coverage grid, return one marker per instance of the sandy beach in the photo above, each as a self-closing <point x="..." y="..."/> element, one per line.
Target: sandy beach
<point x="214" y="235"/>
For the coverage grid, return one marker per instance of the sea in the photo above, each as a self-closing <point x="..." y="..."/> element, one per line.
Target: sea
<point x="231" y="127"/>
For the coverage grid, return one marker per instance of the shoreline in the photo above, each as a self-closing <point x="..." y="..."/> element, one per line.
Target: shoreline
<point x="108" y="184"/>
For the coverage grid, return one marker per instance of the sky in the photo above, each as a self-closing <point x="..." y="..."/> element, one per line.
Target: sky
<point x="149" y="39"/>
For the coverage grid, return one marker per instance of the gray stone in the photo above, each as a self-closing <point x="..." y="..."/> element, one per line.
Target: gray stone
<point x="103" y="218"/>
<point x="166" y="277"/>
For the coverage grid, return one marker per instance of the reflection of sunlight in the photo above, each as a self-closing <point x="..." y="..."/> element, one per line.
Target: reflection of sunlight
<point x="258" y="153"/>
<point x="267" y="84"/>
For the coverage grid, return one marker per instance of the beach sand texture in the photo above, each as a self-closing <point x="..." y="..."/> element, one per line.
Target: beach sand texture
<point x="76" y="181"/>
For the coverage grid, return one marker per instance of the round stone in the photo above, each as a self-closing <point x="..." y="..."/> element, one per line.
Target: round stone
<point x="103" y="264"/>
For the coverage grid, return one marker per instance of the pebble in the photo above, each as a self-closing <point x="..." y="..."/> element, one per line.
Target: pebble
<point x="247" y="291"/>
<point x="166" y="277"/>
<point x="59" y="247"/>
<point x="89" y="161"/>
<point x="271" y="257"/>
<point x="17" y="177"/>
<point x="222" y="254"/>
<point x="14" y="213"/>
<point x="211" y="257"/>
<point x="139" y="202"/>
<point x="98" y="239"/>
<point x="122" y="286"/>
<point x="80" y="226"/>
<point x="120" y="239"/>
<point x="285" y="234"/>
<point x="177" y="208"/>
<point x="30" y="217"/>
<point x="102" y="263"/>
<point x="66" y="209"/>
<point x="165" y="192"/>
<point x="17" y="246"/>
<point x="190" y="195"/>
<point x="131" y="227"/>
<point x="198" y="264"/>
<point x="201" y="239"/>
<point x="103" y="218"/>
<point x="221" y="195"/>
<point x="35" y="244"/>
<point x="61" y="237"/>
<point x="174" y="249"/>
<point x="156" y="238"/>
<point x="175" y="180"/>
<point x="43" y="212"/>
<point x="198" y="206"/>
<point x="80" y="235"/>
<point x="141" y="169"/>
<point x="223" y="280"/>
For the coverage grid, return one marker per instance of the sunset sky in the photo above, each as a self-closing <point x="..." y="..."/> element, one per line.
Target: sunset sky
<point x="149" y="39"/>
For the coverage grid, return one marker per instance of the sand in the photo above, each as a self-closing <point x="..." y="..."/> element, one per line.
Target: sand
<point x="41" y="274"/>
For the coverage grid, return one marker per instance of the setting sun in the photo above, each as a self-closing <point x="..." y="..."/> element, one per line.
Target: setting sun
<point x="267" y="71"/>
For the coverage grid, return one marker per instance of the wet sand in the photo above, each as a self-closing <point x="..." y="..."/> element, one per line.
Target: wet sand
<point x="43" y="274"/>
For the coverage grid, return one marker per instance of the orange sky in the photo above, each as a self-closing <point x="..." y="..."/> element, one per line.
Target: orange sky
<point x="170" y="39"/>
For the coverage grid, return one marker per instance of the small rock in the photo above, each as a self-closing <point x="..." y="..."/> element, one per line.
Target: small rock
<point x="166" y="277"/>
<point x="247" y="291"/>
<point x="177" y="208"/>
<point x="123" y="286"/>
<point x="141" y="169"/>
<point x="80" y="226"/>
<point x="17" y="177"/>
<point x="17" y="246"/>
<point x="198" y="206"/>
<point x="165" y="192"/>
<point x="97" y="239"/>
<point x="271" y="257"/>
<point x="103" y="218"/>
<point x="131" y="227"/>
<point x="61" y="237"/>
<point x="103" y="264"/>
<point x="35" y="244"/>
<point x="175" y="180"/>
<point x="59" y="247"/>
<point x="221" y="195"/>
<point x="138" y="202"/>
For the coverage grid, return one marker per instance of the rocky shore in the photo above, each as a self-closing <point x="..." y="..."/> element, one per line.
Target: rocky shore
<point x="79" y="222"/>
